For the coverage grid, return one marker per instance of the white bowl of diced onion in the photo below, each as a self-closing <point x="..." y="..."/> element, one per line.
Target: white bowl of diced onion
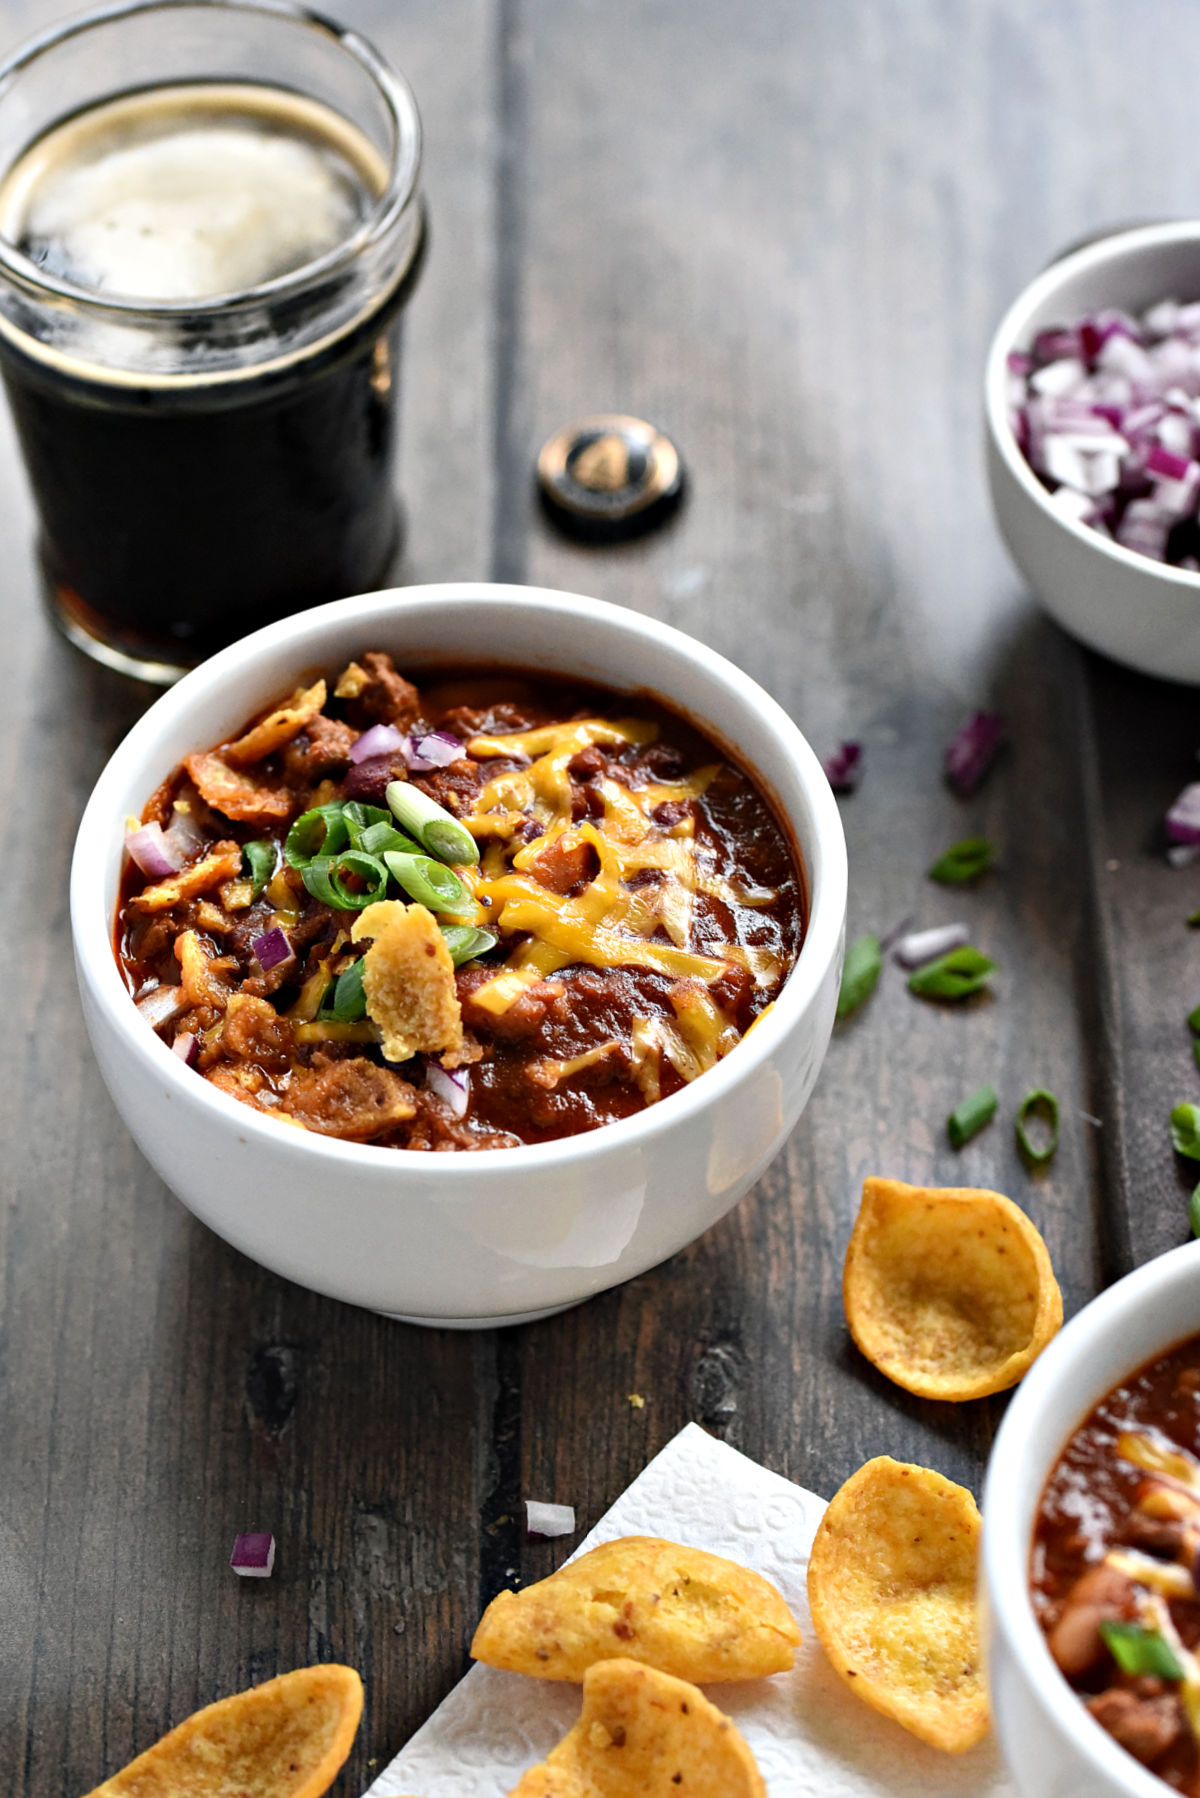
<point x="502" y="1234"/>
<point x="1089" y="554"/>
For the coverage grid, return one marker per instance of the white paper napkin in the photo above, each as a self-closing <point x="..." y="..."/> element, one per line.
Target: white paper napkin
<point x="809" y="1734"/>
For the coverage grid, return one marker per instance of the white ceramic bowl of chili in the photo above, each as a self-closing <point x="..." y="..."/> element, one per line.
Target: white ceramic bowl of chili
<point x="1054" y="1749"/>
<point x="499" y="1235"/>
<point x="1143" y="613"/>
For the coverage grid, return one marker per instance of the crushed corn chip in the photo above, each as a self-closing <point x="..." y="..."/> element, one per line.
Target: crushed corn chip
<point x="408" y="979"/>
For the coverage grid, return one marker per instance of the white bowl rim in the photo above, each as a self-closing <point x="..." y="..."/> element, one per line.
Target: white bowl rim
<point x="1120" y="245"/>
<point x="92" y="932"/>
<point x="1004" y="1562"/>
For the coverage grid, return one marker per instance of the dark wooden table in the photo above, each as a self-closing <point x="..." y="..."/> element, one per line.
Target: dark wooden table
<point x="784" y="231"/>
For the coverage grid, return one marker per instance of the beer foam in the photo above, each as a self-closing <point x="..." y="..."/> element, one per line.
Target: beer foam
<point x="184" y="195"/>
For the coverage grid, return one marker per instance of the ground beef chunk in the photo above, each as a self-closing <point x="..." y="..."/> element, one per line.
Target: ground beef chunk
<point x="1145" y="1727"/>
<point x="1101" y="1595"/>
<point x="587" y="801"/>
<point x="671" y="812"/>
<point x="435" y="1127"/>
<point x="732" y="989"/>
<point x="383" y="696"/>
<point x="352" y="1099"/>
<point x="498" y="720"/>
<point x="456" y="787"/>
<point x="587" y="764"/>
<point x="660" y="762"/>
<point x="323" y="745"/>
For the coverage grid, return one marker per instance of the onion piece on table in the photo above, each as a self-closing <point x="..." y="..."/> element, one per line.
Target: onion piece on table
<point x="914" y="950"/>
<point x="1183" y="818"/>
<point x="253" y="1555"/>
<point x="972" y="751"/>
<point x="844" y="767"/>
<point x="548" y="1520"/>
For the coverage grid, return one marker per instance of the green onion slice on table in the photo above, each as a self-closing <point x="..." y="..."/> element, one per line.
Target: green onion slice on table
<point x="325" y="877"/>
<point x="860" y="973"/>
<point x="1037" y="1104"/>
<point x="963" y="862"/>
<point x="438" y="833"/>
<point x="428" y="882"/>
<point x="968" y="1119"/>
<point x="953" y="976"/>
<point x="1194" y="1211"/>
<point x="1185" y="1131"/>
<point x="1142" y="1653"/>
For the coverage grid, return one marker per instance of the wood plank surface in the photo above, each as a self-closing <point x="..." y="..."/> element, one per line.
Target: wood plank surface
<point x="784" y="232"/>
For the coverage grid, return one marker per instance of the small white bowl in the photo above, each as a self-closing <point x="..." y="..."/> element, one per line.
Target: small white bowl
<point x="1054" y="1749"/>
<point x="1136" y="610"/>
<point x="501" y="1235"/>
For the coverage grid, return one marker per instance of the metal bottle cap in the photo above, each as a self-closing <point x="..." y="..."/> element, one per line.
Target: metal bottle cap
<point x="609" y="477"/>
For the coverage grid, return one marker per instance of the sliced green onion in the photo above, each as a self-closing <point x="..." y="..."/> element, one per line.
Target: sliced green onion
<point x="1194" y="1021"/>
<point x="360" y="816"/>
<point x="1194" y="1212"/>
<point x="465" y="942"/>
<point x="376" y="839"/>
<point x="1194" y="919"/>
<point x="325" y="879"/>
<point x="953" y="976"/>
<point x="323" y="831"/>
<point x="968" y="1119"/>
<point x="963" y="862"/>
<point x="1185" y="1131"/>
<point x="1140" y="1652"/>
<point x="1196" y="1049"/>
<point x="860" y="973"/>
<point x="345" y="1000"/>
<point x="258" y="863"/>
<point x="428" y="882"/>
<point x="437" y="832"/>
<point x="1038" y="1104"/>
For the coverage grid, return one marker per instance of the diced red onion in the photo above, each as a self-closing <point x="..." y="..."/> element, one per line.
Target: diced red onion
<point x="253" y="1555"/>
<point x="381" y="739"/>
<point x="184" y="833"/>
<point x="973" y="751"/>
<point x="1183" y="819"/>
<point x="271" y="948"/>
<point x="452" y="1086"/>
<point x="162" y="1005"/>
<point x="1107" y="413"/>
<point x="920" y="946"/>
<point x="844" y="767"/>
<point x="1181" y="855"/>
<point x="187" y="1047"/>
<point x="548" y="1520"/>
<point x="157" y="858"/>
<point x="437" y="749"/>
<point x="891" y="937"/>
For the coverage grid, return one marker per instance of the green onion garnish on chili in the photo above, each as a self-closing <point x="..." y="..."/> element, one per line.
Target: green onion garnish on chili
<point x="963" y="862"/>
<point x="437" y="832"/>
<point x="953" y="976"/>
<point x="428" y="882"/>
<point x="321" y="832"/>
<point x="1142" y="1653"/>
<point x="345" y="1000"/>
<point x="968" y="1119"/>
<point x="860" y="973"/>
<point x="326" y="879"/>
<point x="1185" y="1131"/>
<point x="258" y="863"/>
<point x="465" y="942"/>
<point x="1044" y="1106"/>
<point x="377" y="839"/>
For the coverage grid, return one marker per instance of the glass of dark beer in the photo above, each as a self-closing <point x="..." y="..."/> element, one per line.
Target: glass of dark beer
<point x="210" y="219"/>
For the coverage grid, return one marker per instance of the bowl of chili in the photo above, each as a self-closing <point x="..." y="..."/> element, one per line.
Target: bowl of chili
<point x="570" y="899"/>
<point x="1091" y="1515"/>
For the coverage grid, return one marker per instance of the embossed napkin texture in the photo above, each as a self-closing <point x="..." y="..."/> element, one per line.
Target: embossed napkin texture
<point x="809" y="1734"/>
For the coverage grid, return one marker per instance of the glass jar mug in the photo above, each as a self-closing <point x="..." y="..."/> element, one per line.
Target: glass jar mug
<point x="210" y="220"/>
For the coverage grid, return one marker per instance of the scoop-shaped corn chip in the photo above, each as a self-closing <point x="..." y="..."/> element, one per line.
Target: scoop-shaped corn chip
<point x="686" y="1612"/>
<point x="285" y="1739"/>
<point x="643" y="1734"/>
<point x="891" y="1585"/>
<point x="948" y="1290"/>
